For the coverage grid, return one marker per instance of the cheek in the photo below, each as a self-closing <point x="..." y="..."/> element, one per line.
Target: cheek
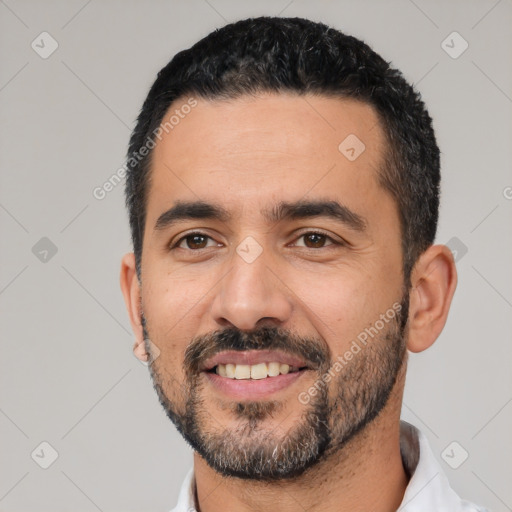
<point x="173" y="296"/>
<point x="171" y="308"/>
<point x="341" y="304"/>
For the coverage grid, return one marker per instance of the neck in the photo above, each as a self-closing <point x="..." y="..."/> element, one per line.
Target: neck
<point x="366" y="474"/>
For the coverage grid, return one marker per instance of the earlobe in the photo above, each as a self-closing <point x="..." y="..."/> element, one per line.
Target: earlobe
<point x="139" y="350"/>
<point x="130" y="287"/>
<point x="433" y="283"/>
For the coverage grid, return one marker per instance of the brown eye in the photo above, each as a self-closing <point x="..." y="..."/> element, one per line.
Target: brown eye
<point x="315" y="240"/>
<point x="194" y="241"/>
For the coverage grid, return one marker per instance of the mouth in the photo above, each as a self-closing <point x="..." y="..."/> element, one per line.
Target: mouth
<point x="253" y="374"/>
<point x="255" y="371"/>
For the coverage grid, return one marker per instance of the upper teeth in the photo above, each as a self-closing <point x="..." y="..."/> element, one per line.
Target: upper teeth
<point x="255" y="371"/>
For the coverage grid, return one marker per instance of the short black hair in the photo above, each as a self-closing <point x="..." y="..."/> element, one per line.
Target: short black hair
<point x="272" y="54"/>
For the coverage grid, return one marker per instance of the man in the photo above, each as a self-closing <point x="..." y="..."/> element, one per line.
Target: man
<point x="283" y="199"/>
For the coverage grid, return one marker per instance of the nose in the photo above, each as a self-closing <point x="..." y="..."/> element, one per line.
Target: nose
<point x="251" y="294"/>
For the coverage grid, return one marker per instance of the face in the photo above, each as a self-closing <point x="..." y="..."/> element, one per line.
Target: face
<point x="272" y="280"/>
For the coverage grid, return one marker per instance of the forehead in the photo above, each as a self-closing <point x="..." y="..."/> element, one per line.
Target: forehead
<point x="256" y="151"/>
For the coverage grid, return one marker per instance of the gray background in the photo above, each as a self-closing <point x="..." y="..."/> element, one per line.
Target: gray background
<point x="68" y="376"/>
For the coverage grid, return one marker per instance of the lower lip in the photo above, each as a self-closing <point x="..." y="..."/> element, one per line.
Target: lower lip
<point x="253" y="388"/>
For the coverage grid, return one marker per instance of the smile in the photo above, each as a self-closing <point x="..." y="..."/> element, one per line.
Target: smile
<point x="253" y="374"/>
<point x="255" y="371"/>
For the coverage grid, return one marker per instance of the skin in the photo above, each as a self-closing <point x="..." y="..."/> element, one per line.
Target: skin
<point x="247" y="155"/>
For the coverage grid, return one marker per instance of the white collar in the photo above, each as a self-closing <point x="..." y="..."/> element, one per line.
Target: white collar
<point x="428" y="489"/>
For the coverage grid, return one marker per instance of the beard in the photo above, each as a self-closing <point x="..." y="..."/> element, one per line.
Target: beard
<point x="332" y="417"/>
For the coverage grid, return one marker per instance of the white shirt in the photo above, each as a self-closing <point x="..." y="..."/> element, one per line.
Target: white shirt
<point x="428" y="489"/>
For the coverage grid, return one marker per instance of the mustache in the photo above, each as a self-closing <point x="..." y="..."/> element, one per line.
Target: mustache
<point x="315" y="352"/>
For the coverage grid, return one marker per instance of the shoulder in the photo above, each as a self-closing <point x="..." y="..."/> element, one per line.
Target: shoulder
<point x="428" y="488"/>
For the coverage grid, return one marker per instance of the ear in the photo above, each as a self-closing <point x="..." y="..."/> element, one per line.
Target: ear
<point x="433" y="283"/>
<point x="130" y="287"/>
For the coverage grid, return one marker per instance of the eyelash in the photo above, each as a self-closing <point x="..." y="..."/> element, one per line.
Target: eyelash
<point x="305" y="233"/>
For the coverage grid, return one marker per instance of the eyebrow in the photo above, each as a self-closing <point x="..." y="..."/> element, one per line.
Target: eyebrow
<point x="191" y="210"/>
<point x="310" y="209"/>
<point x="200" y="210"/>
